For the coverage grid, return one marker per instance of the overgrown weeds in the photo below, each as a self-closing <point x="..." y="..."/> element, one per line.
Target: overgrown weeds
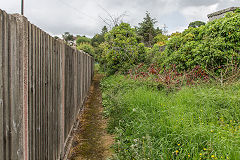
<point x="172" y="79"/>
<point x="201" y="122"/>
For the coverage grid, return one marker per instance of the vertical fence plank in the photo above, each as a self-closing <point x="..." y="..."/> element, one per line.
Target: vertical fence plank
<point x="47" y="95"/>
<point x="44" y="97"/>
<point x="57" y="99"/>
<point x="81" y="83"/>
<point x="30" y="86"/>
<point x="41" y="93"/>
<point x="33" y="142"/>
<point x="25" y="84"/>
<point x="62" y="107"/>
<point x="54" y="100"/>
<point x="75" y="84"/>
<point x="50" y="112"/>
<point x="2" y="41"/>
<point x="6" y="87"/>
<point x="37" y="94"/>
<point x="14" y="88"/>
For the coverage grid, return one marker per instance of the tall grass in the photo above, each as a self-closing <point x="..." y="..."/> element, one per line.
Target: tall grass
<point x="194" y="123"/>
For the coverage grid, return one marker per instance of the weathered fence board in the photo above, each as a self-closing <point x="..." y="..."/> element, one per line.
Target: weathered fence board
<point x="43" y="84"/>
<point x="1" y="88"/>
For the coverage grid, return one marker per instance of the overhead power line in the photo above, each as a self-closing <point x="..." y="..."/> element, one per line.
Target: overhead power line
<point x="77" y="10"/>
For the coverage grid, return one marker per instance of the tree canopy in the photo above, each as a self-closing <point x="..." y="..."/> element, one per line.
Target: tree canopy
<point x="147" y="31"/>
<point x="196" y="24"/>
<point x="82" y="39"/>
<point x="67" y="37"/>
<point x="99" y="38"/>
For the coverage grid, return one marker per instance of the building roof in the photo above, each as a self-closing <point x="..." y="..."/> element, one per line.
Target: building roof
<point x="222" y="12"/>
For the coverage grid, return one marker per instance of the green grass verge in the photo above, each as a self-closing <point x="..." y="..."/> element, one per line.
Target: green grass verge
<point x="193" y="123"/>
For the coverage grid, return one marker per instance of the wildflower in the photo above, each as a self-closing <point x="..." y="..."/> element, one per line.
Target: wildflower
<point x="200" y="154"/>
<point x="211" y="131"/>
<point x="188" y="155"/>
<point x="178" y="144"/>
<point x="204" y="149"/>
<point x="177" y="151"/>
<point x="212" y="156"/>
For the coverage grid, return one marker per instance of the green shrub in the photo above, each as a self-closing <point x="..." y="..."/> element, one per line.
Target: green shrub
<point x="88" y="48"/>
<point x="120" y="49"/>
<point x="213" y="45"/>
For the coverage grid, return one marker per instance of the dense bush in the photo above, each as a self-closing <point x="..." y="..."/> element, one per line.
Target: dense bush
<point x="87" y="47"/>
<point x="161" y="39"/>
<point x="214" y="45"/>
<point x="120" y="49"/>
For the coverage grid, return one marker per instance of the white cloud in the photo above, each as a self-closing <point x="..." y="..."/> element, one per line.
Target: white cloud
<point x="195" y="13"/>
<point x="82" y="16"/>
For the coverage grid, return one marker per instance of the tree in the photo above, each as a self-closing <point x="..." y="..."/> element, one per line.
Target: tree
<point x="99" y="38"/>
<point x="104" y="30"/>
<point x="146" y="30"/>
<point x="82" y="39"/>
<point x="159" y="31"/>
<point x="196" y="24"/>
<point x="67" y="37"/>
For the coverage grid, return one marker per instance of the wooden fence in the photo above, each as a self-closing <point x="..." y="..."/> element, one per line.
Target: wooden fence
<point x="43" y="84"/>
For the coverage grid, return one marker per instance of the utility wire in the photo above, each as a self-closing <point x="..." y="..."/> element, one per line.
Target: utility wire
<point x="78" y="11"/>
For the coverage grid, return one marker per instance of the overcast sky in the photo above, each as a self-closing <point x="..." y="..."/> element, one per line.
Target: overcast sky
<point x="82" y="16"/>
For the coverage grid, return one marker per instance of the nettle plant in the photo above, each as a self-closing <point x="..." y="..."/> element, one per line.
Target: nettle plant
<point x="169" y="77"/>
